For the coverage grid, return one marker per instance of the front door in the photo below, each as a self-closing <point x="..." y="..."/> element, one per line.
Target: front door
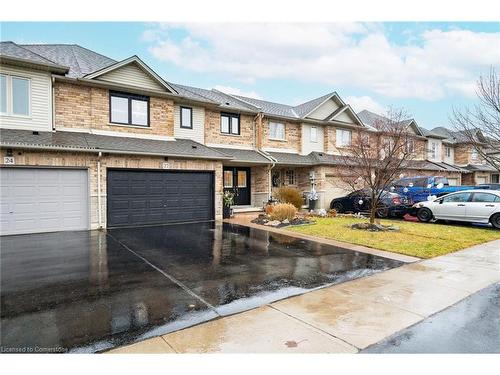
<point x="237" y="180"/>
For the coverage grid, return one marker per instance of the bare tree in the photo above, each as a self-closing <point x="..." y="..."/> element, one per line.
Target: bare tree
<point x="376" y="158"/>
<point x="480" y="125"/>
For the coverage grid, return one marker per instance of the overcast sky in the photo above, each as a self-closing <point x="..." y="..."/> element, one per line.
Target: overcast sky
<point x="426" y="68"/>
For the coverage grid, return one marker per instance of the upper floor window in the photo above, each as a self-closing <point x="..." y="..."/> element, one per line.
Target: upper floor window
<point x="277" y="131"/>
<point x="15" y="95"/>
<point x="313" y="134"/>
<point x="474" y="154"/>
<point x="187" y="117"/>
<point x="128" y="109"/>
<point x="230" y="123"/>
<point x="343" y="138"/>
<point x="447" y="151"/>
<point x="434" y="152"/>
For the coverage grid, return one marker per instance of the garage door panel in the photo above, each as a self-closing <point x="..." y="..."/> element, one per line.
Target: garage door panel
<point x="155" y="197"/>
<point x="43" y="199"/>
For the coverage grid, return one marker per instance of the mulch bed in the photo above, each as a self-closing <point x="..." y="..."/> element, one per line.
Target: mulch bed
<point x="262" y="220"/>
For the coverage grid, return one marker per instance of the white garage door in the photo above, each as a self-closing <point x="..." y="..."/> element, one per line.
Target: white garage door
<point x="43" y="200"/>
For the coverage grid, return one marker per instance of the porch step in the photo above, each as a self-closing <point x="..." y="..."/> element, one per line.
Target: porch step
<point x="243" y="209"/>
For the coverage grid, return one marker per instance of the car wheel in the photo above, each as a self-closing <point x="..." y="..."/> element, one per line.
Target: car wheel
<point x="495" y="221"/>
<point x="382" y="212"/>
<point x="338" y="207"/>
<point x="424" y="215"/>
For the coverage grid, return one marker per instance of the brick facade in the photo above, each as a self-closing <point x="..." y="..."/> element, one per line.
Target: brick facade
<point x="89" y="161"/>
<point x="85" y="107"/>
<point x="293" y="136"/>
<point x="213" y="134"/>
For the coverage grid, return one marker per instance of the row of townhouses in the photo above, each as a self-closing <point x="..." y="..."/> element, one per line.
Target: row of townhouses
<point x="89" y="142"/>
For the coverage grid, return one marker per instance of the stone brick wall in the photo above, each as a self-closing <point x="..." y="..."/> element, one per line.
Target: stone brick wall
<point x="89" y="161"/>
<point x="259" y="179"/>
<point x="84" y="107"/>
<point x="293" y="136"/>
<point x="213" y="134"/>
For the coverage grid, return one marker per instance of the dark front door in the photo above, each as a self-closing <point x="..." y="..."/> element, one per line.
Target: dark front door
<point x="138" y="197"/>
<point x="237" y="180"/>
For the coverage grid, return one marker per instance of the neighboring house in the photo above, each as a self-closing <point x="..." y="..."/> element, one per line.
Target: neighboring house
<point x="89" y="142"/>
<point x="464" y="155"/>
<point x="435" y="160"/>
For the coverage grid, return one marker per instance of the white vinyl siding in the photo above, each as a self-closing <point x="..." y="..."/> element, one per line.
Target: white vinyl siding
<point x="39" y="101"/>
<point x="276" y="131"/>
<point x="197" y="133"/>
<point x="132" y="75"/>
<point x="308" y="145"/>
<point x="343" y="138"/>
<point x="324" y="110"/>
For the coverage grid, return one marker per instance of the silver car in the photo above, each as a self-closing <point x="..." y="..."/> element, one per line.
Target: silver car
<point x="473" y="206"/>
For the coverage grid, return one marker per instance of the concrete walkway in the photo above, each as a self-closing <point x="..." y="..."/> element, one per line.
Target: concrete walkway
<point x="343" y="318"/>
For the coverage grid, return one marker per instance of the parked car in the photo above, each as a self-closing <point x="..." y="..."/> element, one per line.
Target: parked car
<point x="489" y="186"/>
<point x="390" y="204"/>
<point x="474" y="206"/>
<point x="419" y="188"/>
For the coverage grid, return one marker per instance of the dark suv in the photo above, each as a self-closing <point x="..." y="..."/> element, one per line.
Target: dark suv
<point x="390" y="204"/>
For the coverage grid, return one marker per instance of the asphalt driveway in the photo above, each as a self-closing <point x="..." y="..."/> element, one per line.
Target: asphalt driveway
<point x="89" y="290"/>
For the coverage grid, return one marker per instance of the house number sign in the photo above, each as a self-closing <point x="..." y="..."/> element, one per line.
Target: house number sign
<point x="9" y="160"/>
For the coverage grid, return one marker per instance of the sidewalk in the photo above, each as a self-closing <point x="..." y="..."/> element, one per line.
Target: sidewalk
<point x="343" y="318"/>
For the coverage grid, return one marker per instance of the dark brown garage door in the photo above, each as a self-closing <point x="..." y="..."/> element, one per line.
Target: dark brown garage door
<point x="138" y="197"/>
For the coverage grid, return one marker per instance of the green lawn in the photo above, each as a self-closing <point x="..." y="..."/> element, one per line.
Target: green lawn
<point x="415" y="239"/>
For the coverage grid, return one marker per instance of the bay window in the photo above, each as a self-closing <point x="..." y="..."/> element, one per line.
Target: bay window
<point x="128" y="109"/>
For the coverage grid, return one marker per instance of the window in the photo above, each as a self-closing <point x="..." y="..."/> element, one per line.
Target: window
<point x="242" y="179"/>
<point x="290" y="178"/>
<point x="495" y="178"/>
<point x="230" y="123"/>
<point x="128" y="109"/>
<point x="433" y="150"/>
<point x="410" y="145"/>
<point x="343" y="138"/>
<point x="15" y="95"/>
<point x="228" y="179"/>
<point x="474" y="154"/>
<point x="485" y="197"/>
<point x="457" y="198"/>
<point x="3" y="93"/>
<point x="276" y="131"/>
<point x="187" y="117"/>
<point x="447" y="151"/>
<point x="314" y="134"/>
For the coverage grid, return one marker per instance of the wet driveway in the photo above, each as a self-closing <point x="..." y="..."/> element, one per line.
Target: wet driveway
<point x="90" y="290"/>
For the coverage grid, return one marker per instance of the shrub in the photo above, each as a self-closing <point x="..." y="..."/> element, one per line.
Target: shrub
<point x="283" y="211"/>
<point x="290" y="195"/>
<point x="269" y="209"/>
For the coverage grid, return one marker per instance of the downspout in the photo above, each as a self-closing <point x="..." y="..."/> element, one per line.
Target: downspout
<point x="273" y="164"/>
<point x="99" y="219"/>
<point x="53" y="104"/>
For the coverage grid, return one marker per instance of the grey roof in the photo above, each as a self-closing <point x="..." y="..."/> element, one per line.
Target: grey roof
<point x="215" y="96"/>
<point x="81" y="61"/>
<point x="270" y="108"/>
<point x="374" y="120"/>
<point x="449" y="167"/>
<point x="480" y="168"/>
<point x="245" y="156"/>
<point x="285" y="158"/>
<point x="429" y="133"/>
<point x="12" y="50"/>
<point x="456" y="136"/>
<point x="95" y="142"/>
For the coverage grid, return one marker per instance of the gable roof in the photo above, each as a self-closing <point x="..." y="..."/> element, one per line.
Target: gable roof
<point x="132" y="60"/>
<point x="373" y="120"/>
<point x="306" y="108"/>
<point x="455" y="137"/>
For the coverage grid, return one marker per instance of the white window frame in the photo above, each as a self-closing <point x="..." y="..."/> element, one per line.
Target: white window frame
<point x="276" y="138"/>
<point x="339" y="140"/>
<point x="433" y="150"/>
<point x="287" y="173"/>
<point x="447" y="151"/>
<point x="474" y="154"/>
<point x="9" y="97"/>
<point x="315" y="132"/>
